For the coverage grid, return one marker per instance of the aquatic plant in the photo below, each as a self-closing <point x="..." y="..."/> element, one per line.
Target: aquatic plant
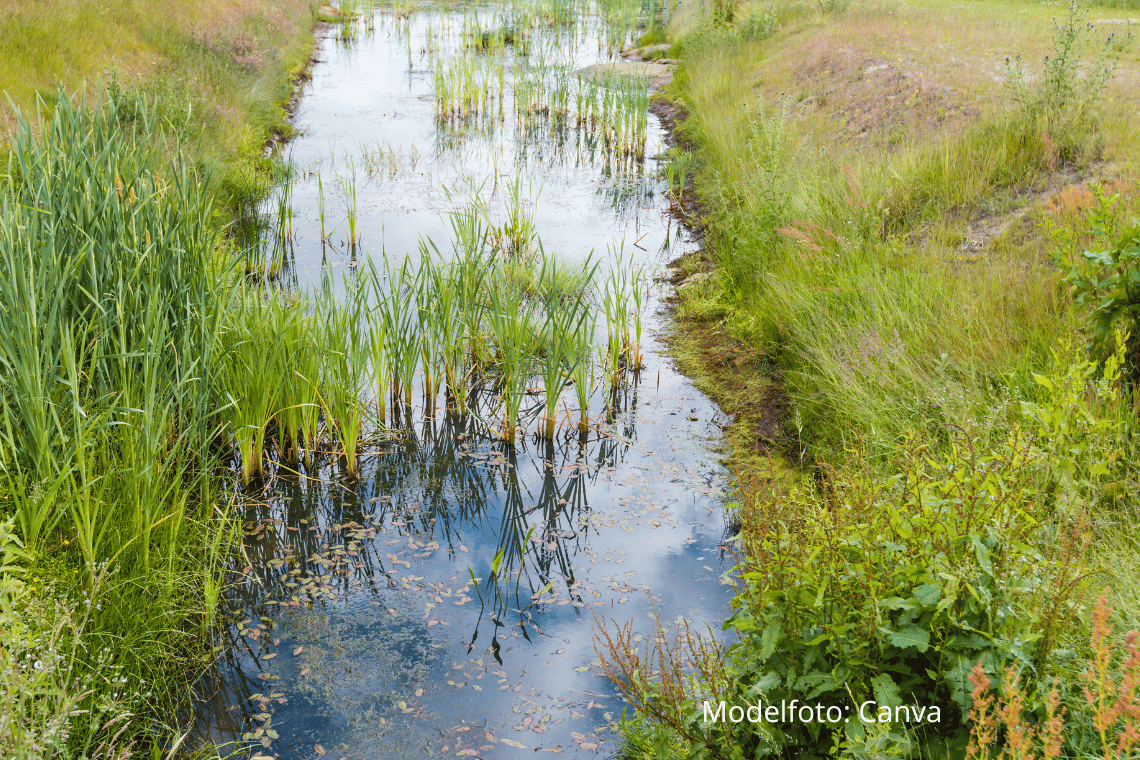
<point x="566" y="315"/>
<point x="615" y="305"/>
<point x="380" y="342"/>
<point x="343" y="324"/>
<point x="348" y="190"/>
<point x="676" y="171"/>
<point x="252" y="377"/>
<point x="583" y="372"/>
<point x="321" y="207"/>
<point x="113" y="306"/>
<point x="518" y="232"/>
<point x="517" y="344"/>
<point x="398" y="311"/>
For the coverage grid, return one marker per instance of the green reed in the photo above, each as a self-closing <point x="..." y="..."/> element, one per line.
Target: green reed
<point x="379" y="159"/>
<point x="299" y="405"/>
<point x="113" y="307"/>
<point x="252" y="379"/>
<point x="640" y="294"/>
<point x="566" y="316"/>
<point x="518" y="232"/>
<point x="346" y="21"/>
<point x="465" y="88"/>
<point x="583" y="373"/>
<point x="321" y="207"/>
<point x="348" y="190"/>
<point x="399" y="313"/>
<point x="380" y="343"/>
<point x="343" y="323"/>
<point x="517" y="345"/>
<point x="615" y="305"/>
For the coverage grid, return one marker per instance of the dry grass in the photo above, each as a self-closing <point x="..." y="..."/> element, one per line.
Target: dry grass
<point x="232" y="60"/>
<point x="886" y="69"/>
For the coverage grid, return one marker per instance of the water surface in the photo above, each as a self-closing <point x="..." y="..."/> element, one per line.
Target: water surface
<point x="444" y="603"/>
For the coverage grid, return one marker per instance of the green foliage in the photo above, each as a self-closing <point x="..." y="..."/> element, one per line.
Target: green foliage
<point x="1079" y="429"/>
<point x="40" y="691"/>
<point x="759" y="25"/>
<point x="892" y="590"/>
<point x="111" y="311"/>
<point x="1107" y="281"/>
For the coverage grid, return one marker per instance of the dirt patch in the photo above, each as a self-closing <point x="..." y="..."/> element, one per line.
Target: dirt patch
<point x="736" y="378"/>
<point x="869" y="96"/>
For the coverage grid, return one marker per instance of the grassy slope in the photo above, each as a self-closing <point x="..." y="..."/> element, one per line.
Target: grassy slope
<point x="882" y="228"/>
<point x="881" y="231"/>
<point x="220" y="70"/>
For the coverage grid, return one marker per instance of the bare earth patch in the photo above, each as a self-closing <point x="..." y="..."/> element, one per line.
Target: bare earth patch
<point x="869" y="96"/>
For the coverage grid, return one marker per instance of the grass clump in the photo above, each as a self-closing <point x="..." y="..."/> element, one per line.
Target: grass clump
<point x="1062" y="104"/>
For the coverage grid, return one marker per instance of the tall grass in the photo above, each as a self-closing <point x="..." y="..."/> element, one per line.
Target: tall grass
<point x="566" y="314"/>
<point x="113" y="304"/>
<point x="817" y="263"/>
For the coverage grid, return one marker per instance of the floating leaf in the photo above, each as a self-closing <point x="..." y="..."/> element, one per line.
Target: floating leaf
<point x="298" y="651"/>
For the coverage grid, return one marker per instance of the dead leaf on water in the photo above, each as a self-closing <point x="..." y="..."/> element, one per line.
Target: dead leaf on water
<point x="297" y="651"/>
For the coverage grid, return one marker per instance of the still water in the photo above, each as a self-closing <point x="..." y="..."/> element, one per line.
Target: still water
<point x="445" y="603"/>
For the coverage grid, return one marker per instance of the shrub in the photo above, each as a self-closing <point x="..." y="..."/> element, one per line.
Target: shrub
<point x="874" y="590"/>
<point x="892" y="591"/>
<point x="1108" y="281"/>
<point x="759" y="25"/>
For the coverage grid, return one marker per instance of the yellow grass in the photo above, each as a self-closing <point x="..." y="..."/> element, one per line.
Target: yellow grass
<point x="231" y="61"/>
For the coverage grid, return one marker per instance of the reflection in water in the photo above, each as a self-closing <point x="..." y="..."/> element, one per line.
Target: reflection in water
<point x="454" y="583"/>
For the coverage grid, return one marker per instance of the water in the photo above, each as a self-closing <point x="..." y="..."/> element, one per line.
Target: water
<point x="444" y="603"/>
